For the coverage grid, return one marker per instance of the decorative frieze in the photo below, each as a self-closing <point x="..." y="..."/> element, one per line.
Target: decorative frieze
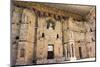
<point x="42" y="8"/>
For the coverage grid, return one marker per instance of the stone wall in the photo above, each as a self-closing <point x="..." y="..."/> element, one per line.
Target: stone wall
<point x="33" y="31"/>
<point x="91" y="33"/>
<point x="15" y="27"/>
<point x="82" y="35"/>
<point x="50" y="37"/>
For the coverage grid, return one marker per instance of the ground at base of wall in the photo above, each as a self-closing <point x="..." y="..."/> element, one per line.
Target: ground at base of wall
<point x="81" y="60"/>
<point x="50" y="61"/>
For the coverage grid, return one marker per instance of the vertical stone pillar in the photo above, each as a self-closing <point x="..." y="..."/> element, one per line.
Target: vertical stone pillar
<point x="58" y="41"/>
<point x="41" y="49"/>
<point x="26" y="38"/>
<point x="65" y="38"/>
<point x="71" y="39"/>
<point x="15" y="27"/>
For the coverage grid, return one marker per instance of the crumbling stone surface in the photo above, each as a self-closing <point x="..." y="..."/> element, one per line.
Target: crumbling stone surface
<point x="68" y="38"/>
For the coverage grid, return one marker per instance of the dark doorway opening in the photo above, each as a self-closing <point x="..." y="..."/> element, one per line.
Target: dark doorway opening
<point x="72" y="50"/>
<point x="80" y="53"/>
<point x="50" y="51"/>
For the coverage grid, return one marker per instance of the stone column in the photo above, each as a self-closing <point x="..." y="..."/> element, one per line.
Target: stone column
<point x="15" y="27"/>
<point x="26" y="38"/>
<point x="71" y="38"/>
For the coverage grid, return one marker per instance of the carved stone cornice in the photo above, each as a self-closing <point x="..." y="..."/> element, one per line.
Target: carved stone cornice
<point x="47" y="9"/>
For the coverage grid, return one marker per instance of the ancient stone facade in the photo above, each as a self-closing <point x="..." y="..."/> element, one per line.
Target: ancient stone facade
<point x="40" y="38"/>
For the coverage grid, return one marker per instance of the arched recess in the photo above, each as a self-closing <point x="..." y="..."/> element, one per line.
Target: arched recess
<point x="27" y="37"/>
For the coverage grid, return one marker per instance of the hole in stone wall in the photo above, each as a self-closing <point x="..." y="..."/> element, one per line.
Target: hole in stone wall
<point x="30" y="22"/>
<point x="57" y="36"/>
<point x="17" y="37"/>
<point x="78" y="41"/>
<point x="43" y="35"/>
<point x="90" y="30"/>
<point x="20" y="21"/>
<point x="67" y="27"/>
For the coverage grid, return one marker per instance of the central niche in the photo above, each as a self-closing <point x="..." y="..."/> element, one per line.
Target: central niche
<point x="50" y="24"/>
